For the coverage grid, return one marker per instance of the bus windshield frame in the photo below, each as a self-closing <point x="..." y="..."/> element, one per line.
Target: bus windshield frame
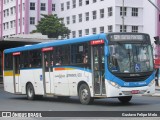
<point x="130" y="54"/>
<point x="130" y="58"/>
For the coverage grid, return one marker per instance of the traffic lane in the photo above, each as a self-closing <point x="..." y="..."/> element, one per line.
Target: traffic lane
<point x="19" y="102"/>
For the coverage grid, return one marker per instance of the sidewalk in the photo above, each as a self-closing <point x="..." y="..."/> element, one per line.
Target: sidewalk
<point x="158" y="88"/>
<point x="157" y="93"/>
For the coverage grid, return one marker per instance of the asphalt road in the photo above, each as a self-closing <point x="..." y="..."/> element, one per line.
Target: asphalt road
<point x="10" y="102"/>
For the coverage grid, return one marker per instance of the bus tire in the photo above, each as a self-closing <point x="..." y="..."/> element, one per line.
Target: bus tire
<point x="30" y="92"/>
<point x="125" y="99"/>
<point x="84" y="94"/>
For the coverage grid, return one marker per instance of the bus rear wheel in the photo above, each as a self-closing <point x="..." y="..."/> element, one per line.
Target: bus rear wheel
<point x="125" y="99"/>
<point x="30" y="92"/>
<point x="84" y="95"/>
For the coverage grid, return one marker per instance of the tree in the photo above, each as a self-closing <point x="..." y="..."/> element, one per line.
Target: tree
<point x="52" y="26"/>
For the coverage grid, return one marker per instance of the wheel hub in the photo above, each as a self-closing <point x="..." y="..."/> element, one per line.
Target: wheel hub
<point x="84" y="94"/>
<point x="30" y="92"/>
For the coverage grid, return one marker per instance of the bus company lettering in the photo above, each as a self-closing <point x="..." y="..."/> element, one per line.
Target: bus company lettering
<point x="68" y="75"/>
<point x="71" y="75"/>
<point x="74" y="75"/>
<point x="60" y="76"/>
<point x="142" y="83"/>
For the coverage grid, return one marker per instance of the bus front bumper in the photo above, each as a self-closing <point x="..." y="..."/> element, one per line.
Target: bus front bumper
<point x="114" y="91"/>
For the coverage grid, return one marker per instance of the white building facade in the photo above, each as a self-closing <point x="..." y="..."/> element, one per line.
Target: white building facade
<point x="82" y="17"/>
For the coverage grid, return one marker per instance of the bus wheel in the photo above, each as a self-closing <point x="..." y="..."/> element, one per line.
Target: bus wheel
<point x="30" y="92"/>
<point x="84" y="94"/>
<point x="125" y="99"/>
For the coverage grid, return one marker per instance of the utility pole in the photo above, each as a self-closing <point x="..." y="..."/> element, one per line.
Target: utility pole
<point x="122" y="15"/>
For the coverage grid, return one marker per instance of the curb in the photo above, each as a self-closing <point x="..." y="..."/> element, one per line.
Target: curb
<point x="156" y="95"/>
<point x="157" y="89"/>
<point x="153" y="95"/>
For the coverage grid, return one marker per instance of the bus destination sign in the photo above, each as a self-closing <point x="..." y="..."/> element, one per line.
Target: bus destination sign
<point x="123" y="37"/>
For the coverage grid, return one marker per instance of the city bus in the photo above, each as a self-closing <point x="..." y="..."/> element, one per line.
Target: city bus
<point x="112" y="65"/>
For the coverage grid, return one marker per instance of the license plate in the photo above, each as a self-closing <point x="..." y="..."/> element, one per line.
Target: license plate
<point x="135" y="91"/>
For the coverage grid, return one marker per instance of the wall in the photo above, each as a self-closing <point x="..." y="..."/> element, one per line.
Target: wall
<point x="87" y="8"/>
<point x="150" y="19"/>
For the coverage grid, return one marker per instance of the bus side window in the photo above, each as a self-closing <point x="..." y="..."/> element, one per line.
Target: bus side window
<point x="36" y="58"/>
<point x="31" y="59"/>
<point x="24" y="59"/>
<point x="85" y="58"/>
<point x="59" y="62"/>
<point x="62" y="55"/>
<point x="79" y="53"/>
<point x="58" y="52"/>
<point x="8" y="62"/>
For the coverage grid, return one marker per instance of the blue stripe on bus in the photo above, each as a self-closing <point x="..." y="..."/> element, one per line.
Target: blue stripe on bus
<point x="129" y="84"/>
<point x="57" y="43"/>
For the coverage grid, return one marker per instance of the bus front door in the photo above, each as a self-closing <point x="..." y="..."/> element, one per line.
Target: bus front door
<point x="98" y="70"/>
<point x="47" y="69"/>
<point x="16" y="73"/>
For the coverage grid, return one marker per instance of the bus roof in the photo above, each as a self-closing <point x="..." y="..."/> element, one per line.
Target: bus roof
<point x="56" y="43"/>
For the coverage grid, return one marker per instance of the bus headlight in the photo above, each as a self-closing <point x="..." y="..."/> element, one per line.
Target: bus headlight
<point x="151" y="83"/>
<point x="114" y="84"/>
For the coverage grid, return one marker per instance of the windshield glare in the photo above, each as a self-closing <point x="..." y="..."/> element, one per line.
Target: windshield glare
<point x="130" y="58"/>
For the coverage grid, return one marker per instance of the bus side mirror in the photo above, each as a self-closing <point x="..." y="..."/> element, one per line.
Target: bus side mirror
<point x="106" y="51"/>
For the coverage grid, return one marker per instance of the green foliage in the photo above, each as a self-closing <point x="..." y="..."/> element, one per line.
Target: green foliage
<point x="52" y="26"/>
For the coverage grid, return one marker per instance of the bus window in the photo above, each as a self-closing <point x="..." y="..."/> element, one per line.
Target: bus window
<point x="62" y="55"/>
<point x="8" y="62"/>
<point x="31" y="59"/>
<point x="25" y="59"/>
<point x="85" y="58"/>
<point x="36" y="58"/>
<point x="79" y="53"/>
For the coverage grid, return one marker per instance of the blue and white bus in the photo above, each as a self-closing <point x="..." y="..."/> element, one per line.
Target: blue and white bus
<point x="113" y="65"/>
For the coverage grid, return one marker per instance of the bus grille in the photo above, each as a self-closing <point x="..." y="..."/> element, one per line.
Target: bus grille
<point x="134" y="79"/>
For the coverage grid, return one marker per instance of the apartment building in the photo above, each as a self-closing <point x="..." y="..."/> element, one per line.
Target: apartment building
<point x="82" y="17"/>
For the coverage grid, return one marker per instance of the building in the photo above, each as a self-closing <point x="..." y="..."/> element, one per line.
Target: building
<point x="21" y="16"/>
<point x="82" y="17"/>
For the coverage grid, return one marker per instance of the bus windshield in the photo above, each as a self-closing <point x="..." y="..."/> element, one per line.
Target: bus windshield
<point x="130" y="58"/>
